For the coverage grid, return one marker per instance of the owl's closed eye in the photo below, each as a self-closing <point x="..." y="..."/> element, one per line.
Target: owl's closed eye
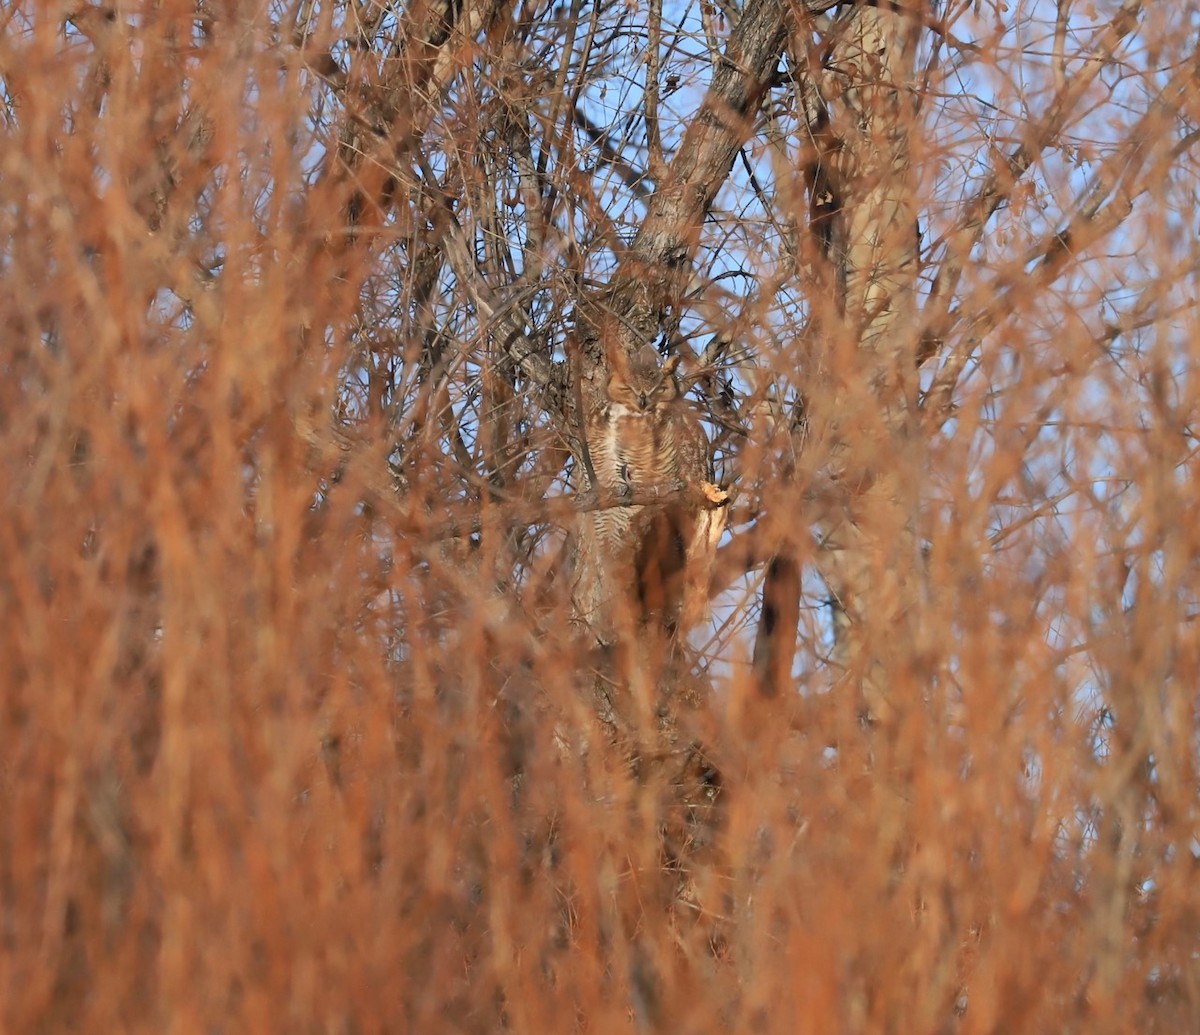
<point x="642" y="385"/>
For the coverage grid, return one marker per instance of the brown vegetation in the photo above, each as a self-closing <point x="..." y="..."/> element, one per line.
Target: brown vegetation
<point x="305" y="309"/>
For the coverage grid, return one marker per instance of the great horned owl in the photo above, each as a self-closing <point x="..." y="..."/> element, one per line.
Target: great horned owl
<point x="646" y="436"/>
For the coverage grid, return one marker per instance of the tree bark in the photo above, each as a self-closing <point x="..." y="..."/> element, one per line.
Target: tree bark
<point x="861" y="405"/>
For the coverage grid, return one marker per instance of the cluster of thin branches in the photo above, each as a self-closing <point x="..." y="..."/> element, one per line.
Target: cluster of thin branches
<point x="305" y="310"/>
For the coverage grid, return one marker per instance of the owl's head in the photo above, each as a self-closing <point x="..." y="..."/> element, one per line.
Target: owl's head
<point x="640" y="383"/>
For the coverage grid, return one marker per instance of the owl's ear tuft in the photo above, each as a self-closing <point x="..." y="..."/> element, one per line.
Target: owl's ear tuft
<point x="670" y="365"/>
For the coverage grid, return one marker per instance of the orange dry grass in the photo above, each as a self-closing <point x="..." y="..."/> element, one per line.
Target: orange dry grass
<point x="275" y="760"/>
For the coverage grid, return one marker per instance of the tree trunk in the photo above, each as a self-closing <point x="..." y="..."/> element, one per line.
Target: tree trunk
<point x="863" y="403"/>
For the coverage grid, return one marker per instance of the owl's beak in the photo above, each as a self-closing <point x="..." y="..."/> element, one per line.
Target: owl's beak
<point x="643" y="400"/>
